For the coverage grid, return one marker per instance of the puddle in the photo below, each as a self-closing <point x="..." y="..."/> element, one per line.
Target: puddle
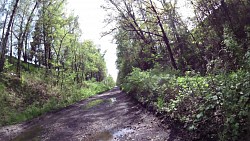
<point x="93" y="103"/>
<point x="109" y="136"/>
<point x="31" y="134"/>
<point x="112" y="100"/>
<point x="122" y="132"/>
<point x="98" y="102"/>
<point x="102" y="136"/>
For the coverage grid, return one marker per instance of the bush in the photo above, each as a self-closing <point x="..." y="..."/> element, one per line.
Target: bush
<point x="214" y="107"/>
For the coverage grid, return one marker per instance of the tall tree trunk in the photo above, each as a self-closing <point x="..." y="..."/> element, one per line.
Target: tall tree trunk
<point x="5" y="40"/>
<point x="179" y="41"/>
<point x="4" y="25"/>
<point x="19" y="54"/>
<point x="11" y="44"/>
<point x="25" y="54"/>
<point x="49" y="57"/>
<point x="165" y="38"/>
<point x="25" y="36"/>
<point x="45" y="42"/>
<point x="18" y="67"/>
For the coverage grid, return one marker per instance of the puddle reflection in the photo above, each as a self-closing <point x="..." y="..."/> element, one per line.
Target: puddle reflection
<point x="31" y="134"/>
<point x="109" y="136"/>
<point x="94" y="103"/>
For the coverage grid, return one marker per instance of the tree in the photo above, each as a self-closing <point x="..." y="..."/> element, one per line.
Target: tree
<point x="225" y="37"/>
<point x="6" y="36"/>
<point x="24" y="31"/>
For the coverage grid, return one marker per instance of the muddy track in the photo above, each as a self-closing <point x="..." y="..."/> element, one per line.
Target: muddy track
<point x="109" y="116"/>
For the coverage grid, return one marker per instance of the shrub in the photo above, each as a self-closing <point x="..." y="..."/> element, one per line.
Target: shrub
<point x="214" y="106"/>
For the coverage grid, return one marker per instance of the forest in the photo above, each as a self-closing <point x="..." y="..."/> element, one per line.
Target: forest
<point x="44" y="64"/>
<point x="191" y="72"/>
<point x="196" y="75"/>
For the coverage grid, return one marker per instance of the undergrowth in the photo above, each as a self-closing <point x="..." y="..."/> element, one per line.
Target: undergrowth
<point x="214" y="107"/>
<point x="31" y="95"/>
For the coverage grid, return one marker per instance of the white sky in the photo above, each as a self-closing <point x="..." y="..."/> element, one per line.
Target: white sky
<point x="91" y="18"/>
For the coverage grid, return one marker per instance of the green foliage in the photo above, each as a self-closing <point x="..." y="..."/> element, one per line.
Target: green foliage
<point x="215" y="106"/>
<point x="31" y="96"/>
<point x="209" y="92"/>
<point x="7" y="65"/>
<point x="109" y="82"/>
<point x="247" y="60"/>
<point x="66" y="69"/>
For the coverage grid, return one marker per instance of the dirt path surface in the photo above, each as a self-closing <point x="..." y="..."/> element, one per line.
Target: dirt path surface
<point x="111" y="116"/>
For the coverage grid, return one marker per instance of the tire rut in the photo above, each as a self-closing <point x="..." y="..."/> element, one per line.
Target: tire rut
<point x="110" y="116"/>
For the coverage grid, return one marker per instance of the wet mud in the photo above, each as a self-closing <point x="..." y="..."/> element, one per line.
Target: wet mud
<point x="110" y="116"/>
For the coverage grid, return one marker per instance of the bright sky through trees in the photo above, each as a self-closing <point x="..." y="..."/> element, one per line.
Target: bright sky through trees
<point x="91" y="18"/>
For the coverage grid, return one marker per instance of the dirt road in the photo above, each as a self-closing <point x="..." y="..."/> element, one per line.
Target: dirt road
<point x="110" y="116"/>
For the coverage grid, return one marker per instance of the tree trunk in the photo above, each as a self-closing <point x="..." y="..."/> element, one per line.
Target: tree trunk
<point x="11" y="44"/>
<point x="165" y="38"/>
<point x="19" y="54"/>
<point x="5" y="40"/>
<point x="25" y="54"/>
<point x="179" y="41"/>
<point x="22" y="38"/>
